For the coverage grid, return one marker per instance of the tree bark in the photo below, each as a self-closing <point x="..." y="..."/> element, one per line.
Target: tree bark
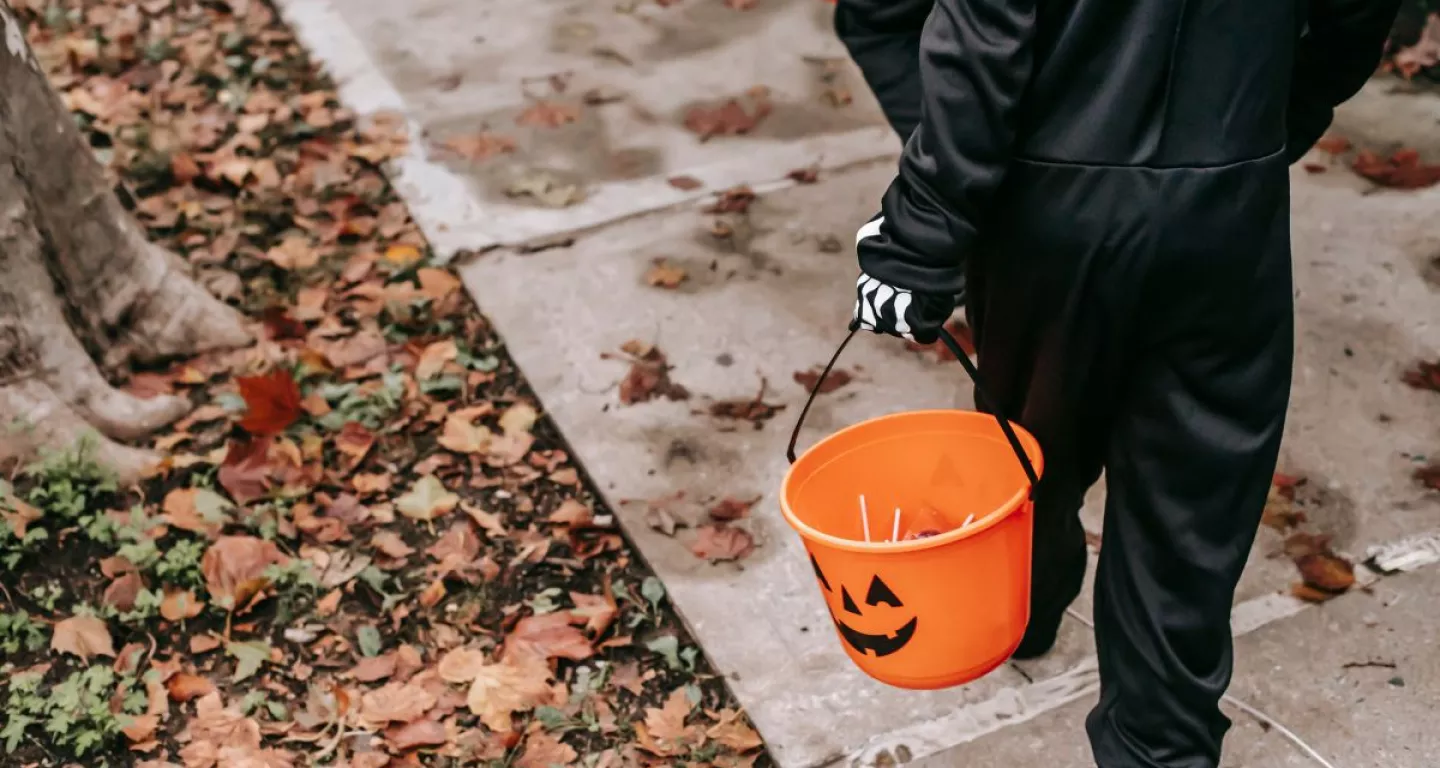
<point x="78" y="278"/>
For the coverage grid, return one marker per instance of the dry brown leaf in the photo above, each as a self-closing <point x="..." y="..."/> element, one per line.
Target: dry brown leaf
<point x="390" y="544"/>
<point x="234" y="568"/>
<point x="722" y="542"/>
<point x="480" y="146"/>
<point x="461" y="436"/>
<point x="597" y="610"/>
<point x="685" y="183"/>
<point x="730" y="118"/>
<point x="123" y="591"/>
<point x="519" y="682"/>
<point x="185" y="686"/>
<point x="141" y="728"/>
<point x="293" y="252"/>
<point x="355" y="441"/>
<point x="374" y="668"/>
<point x="421" y="733"/>
<point x="665" y="275"/>
<point x="518" y="419"/>
<point x="572" y="512"/>
<point x="732" y="731"/>
<point x="838" y="378"/>
<point x="432" y="594"/>
<point x="180" y="604"/>
<point x="664" y="732"/>
<point x="460" y="665"/>
<point x="543" y="750"/>
<point x="83" y="636"/>
<point x="649" y="376"/>
<point x="434" y="358"/>
<point x="548" y="114"/>
<point x="396" y="703"/>
<point x="547" y="636"/>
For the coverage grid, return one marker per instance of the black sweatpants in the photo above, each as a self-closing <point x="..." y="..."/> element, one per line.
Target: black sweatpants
<point x="1163" y="358"/>
<point x="1137" y="320"/>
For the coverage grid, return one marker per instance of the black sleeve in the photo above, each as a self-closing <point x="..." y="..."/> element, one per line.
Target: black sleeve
<point x="883" y="37"/>
<point x="975" y="63"/>
<point x="1337" y="53"/>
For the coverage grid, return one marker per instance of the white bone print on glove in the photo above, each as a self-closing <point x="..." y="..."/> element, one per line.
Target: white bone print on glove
<point x="884" y="308"/>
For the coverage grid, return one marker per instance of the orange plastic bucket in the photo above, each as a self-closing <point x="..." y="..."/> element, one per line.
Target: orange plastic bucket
<point x="928" y="612"/>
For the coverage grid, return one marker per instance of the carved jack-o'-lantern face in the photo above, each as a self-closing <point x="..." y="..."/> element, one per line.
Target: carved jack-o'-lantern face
<point x="877" y="594"/>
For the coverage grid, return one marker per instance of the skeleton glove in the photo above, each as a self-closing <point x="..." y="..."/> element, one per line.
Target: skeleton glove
<point x="883" y="308"/>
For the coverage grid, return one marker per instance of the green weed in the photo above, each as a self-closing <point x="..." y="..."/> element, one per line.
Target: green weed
<point x="74" y="715"/>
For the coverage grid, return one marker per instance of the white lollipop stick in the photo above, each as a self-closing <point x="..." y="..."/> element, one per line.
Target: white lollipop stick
<point x="968" y="521"/>
<point x="864" y="518"/>
<point x="895" y="532"/>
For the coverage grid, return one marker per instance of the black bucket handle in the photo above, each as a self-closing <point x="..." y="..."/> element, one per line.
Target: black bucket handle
<point x="981" y="397"/>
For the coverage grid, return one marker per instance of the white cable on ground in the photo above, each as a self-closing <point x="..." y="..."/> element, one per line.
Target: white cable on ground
<point x="1243" y="707"/>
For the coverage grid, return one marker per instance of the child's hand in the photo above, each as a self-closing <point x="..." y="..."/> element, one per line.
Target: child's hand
<point x="883" y="308"/>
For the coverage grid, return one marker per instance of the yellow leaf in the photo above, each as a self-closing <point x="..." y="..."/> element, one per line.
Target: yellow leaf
<point x="402" y="255"/>
<point x="427" y="500"/>
<point x="518" y="419"/>
<point x="461" y="665"/>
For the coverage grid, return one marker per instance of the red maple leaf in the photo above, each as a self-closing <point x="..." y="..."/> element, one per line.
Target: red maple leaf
<point x="272" y="402"/>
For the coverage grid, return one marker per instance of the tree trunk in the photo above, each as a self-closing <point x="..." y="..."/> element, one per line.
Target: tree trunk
<point x="78" y="279"/>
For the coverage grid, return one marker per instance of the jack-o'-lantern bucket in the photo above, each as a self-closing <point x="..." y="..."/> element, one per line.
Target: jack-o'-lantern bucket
<point x="918" y="527"/>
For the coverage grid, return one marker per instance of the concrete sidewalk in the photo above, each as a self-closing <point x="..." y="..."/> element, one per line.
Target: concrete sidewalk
<point x="768" y="293"/>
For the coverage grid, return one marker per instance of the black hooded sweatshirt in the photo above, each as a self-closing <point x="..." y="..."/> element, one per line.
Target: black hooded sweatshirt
<point x="1087" y="100"/>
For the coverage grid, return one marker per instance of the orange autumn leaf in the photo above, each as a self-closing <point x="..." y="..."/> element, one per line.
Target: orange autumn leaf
<point x="548" y="114"/>
<point x="547" y="636"/>
<point x="664" y="732"/>
<point x="272" y="402"/>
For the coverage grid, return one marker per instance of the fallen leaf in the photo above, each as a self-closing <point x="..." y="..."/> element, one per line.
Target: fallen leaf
<point x="649" y="376"/>
<point x="18" y="516"/>
<point x="234" y="568"/>
<point x="1320" y="568"/>
<point x="1401" y="170"/>
<point x="402" y="255"/>
<point x="548" y="636"/>
<point x="372" y="668"/>
<point x="736" y="199"/>
<point x="730" y="509"/>
<point x="479" y="146"/>
<point x="82" y="636"/>
<point x="1429" y="476"/>
<point x="730" y="118"/>
<point x="123" y="591"/>
<point x="722" y="542"/>
<point x="293" y="252"/>
<point x="804" y="175"/>
<point x="249" y="657"/>
<point x="198" y="510"/>
<point x="664" y="732"/>
<point x="272" y="402"/>
<point x="180" y="604"/>
<point x="665" y="275"/>
<point x="519" y="682"/>
<point x="432" y="594"/>
<point x="140" y="728"/>
<point x="390" y="544"/>
<point x="1424" y="53"/>
<point x="548" y="114"/>
<point x="518" y="419"/>
<point x="685" y="183"/>
<point x="1333" y="144"/>
<point x="396" y="703"/>
<point x="1425" y="375"/>
<point x="355" y="441"/>
<point x="545" y="751"/>
<point x="204" y="643"/>
<point x="462" y="436"/>
<point x="546" y="188"/>
<point x="421" y="733"/>
<point x="434" y="358"/>
<point x="460" y="665"/>
<point x="245" y="472"/>
<point x="754" y="410"/>
<point x="838" y="378"/>
<point x="597" y="610"/>
<point x="733" y="732"/>
<point x="426" y="500"/>
<point x="572" y="512"/>
<point x="184" y="686"/>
